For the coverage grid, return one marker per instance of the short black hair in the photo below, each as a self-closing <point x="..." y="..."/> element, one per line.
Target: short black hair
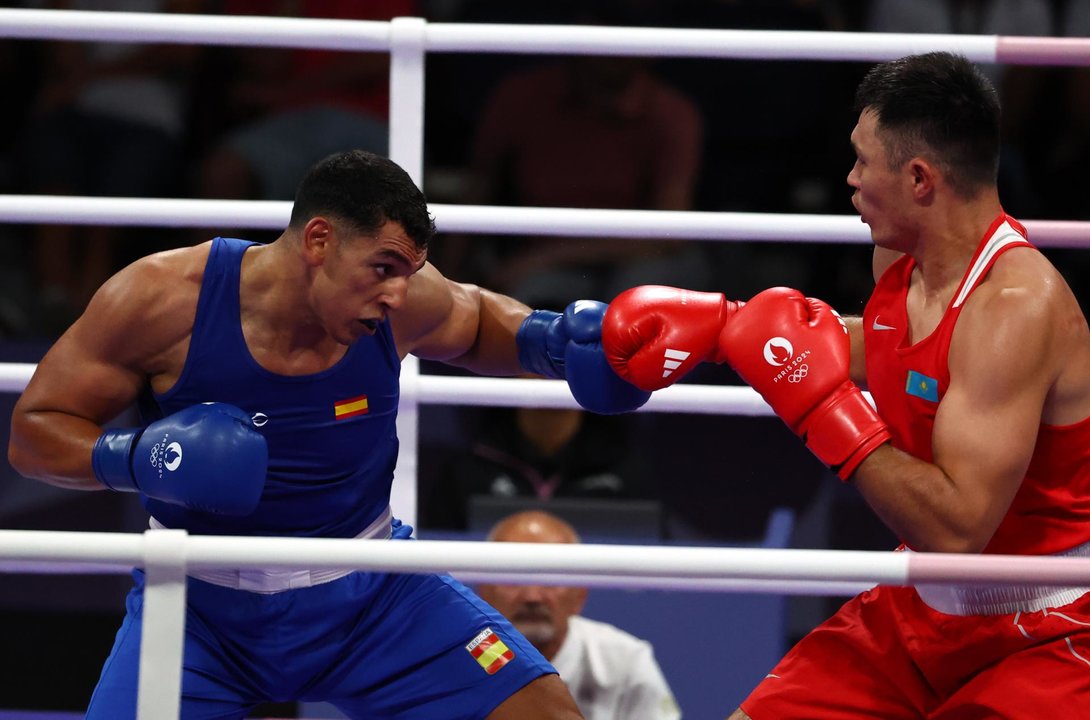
<point x="365" y="190"/>
<point x="940" y="104"/>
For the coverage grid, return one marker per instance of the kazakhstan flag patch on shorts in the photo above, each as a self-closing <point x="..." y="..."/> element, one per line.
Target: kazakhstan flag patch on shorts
<point x="490" y="652"/>
<point x="922" y="386"/>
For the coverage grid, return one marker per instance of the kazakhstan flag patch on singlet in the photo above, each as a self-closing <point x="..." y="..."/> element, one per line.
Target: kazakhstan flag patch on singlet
<point x="922" y="386"/>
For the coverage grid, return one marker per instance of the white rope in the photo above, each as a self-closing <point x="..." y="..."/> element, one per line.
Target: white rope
<point x="515" y="392"/>
<point x="597" y="564"/>
<point x="362" y="35"/>
<point x="15" y="376"/>
<point x="470" y="577"/>
<point x="564" y="222"/>
<point x="519" y="392"/>
<point x="144" y="212"/>
<point x="482" y="38"/>
<point x="488" y="560"/>
<point x="674" y="42"/>
<point x="248" y="30"/>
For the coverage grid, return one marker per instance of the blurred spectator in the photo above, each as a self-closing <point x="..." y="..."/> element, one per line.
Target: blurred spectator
<point x="108" y="120"/>
<point x="610" y="673"/>
<point x="286" y="108"/>
<point x="601" y="132"/>
<point x="534" y="453"/>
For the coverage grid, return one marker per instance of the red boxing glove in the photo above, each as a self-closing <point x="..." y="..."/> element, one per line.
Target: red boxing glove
<point x="653" y="335"/>
<point x="795" y="352"/>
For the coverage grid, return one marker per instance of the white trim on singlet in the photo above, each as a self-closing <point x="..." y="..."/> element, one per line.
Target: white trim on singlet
<point x="274" y="580"/>
<point x="1004" y="235"/>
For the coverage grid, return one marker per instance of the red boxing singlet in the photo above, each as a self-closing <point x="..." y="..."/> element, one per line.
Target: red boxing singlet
<point x="1051" y="511"/>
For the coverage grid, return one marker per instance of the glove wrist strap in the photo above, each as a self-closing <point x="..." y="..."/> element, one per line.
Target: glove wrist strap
<point x="845" y="431"/>
<point x="533" y="346"/>
<point x="111" y="459"/>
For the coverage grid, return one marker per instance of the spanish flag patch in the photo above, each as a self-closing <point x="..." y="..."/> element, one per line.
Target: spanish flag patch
<point x="489" y="651"/>
<point x="350" y="408"/>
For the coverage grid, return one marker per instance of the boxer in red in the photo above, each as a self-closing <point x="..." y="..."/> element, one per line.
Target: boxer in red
<point x="978" y="359"/>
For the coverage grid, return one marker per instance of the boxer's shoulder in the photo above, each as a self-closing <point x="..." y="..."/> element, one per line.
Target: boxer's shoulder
<point x="186" y="263"/>
<point x="159" y="287"/>
<point x="146" y="311"/>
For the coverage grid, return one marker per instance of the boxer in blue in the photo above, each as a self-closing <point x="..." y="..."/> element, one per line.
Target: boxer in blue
<point x="267" y="378"/>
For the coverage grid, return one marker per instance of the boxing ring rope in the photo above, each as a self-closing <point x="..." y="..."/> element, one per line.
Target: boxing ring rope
<point x="484" y="219"/>
<point x="166" y="555"/>
<point x="685" y="568"/>
<point x="534" y="39"/>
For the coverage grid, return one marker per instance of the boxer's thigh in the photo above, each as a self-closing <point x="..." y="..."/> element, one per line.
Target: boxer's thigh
<point x="431" y="648"/>
<point x="852" y="666"/>
<point x="209" y="688"/>
<point x="1049" y="680"/>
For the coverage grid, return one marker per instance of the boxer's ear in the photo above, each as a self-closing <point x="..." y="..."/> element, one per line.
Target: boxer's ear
<point x="924" y="175"/>
<point x="316" y="240"/>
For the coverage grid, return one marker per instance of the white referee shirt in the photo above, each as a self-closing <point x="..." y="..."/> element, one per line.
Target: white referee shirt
<point x="613" y="675"/>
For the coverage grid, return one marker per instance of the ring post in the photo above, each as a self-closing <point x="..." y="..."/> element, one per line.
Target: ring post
<point x="407" y="41"/>
<point x="163" y="628"/>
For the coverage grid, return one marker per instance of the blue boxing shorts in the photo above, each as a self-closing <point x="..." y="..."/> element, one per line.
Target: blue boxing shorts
<point x="375" y="645"/>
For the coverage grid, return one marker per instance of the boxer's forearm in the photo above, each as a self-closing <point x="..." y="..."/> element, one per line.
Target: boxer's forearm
<point x="922" y="505"/>
<point x="55" y="448"/>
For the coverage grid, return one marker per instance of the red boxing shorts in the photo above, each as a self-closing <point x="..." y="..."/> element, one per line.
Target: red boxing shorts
<point x="888" y="655"/>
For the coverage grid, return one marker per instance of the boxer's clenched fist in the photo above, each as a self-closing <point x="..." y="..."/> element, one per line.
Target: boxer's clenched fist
<point x="795" y="352"/>
<point x="654" y="335"/>
<point x="206" y="457"/>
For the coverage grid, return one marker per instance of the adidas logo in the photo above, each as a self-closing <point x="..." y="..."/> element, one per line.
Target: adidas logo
<point x="673" y="361"/>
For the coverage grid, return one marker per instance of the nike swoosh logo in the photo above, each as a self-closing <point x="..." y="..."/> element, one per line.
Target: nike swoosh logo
<point x="879" y="326"/>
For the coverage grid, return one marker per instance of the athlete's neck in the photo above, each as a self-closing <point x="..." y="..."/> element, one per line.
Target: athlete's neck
<point x="949" y="237"/>
<point x="277" y="320"/>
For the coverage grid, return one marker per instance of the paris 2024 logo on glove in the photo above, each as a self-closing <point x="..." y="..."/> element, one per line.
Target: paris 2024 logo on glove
<point x="780" y="353"/>
<point x="166" y="455"/>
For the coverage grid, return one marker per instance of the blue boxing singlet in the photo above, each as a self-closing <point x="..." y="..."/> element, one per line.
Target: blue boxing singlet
<point x="331" y="435"/>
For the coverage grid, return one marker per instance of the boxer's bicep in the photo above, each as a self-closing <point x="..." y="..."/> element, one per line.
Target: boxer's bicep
<point x="437" y="320"/>
<point x="460" y="324"/>
<point x="90" y="375"/>
<point x="1001" y="369"/>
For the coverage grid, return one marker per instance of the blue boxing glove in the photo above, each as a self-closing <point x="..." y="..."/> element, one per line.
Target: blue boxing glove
<point x="206" y="457"/>
<point x="568" y="346"/>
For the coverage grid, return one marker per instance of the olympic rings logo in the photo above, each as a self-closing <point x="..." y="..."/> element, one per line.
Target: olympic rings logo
<point x="799" y="374"/>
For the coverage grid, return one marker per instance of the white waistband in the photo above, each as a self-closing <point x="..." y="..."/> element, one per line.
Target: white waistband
<point x="1002" y="600"/>
<point x="276" y="580"/>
